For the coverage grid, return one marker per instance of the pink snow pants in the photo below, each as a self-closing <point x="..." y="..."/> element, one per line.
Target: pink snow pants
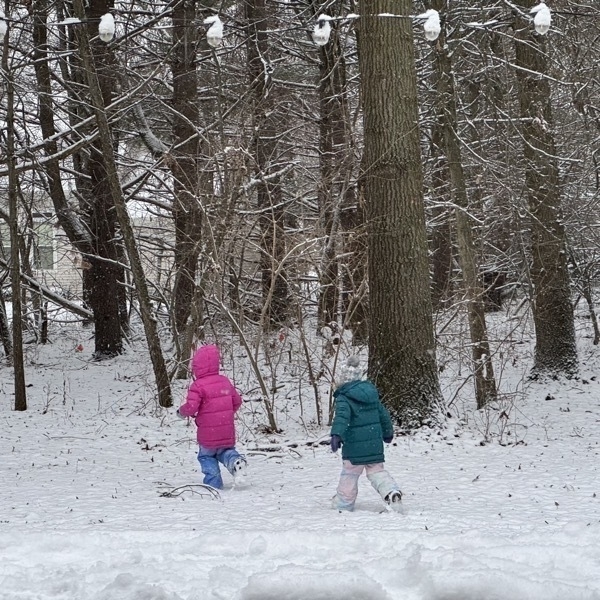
<point x="347" y="489"/>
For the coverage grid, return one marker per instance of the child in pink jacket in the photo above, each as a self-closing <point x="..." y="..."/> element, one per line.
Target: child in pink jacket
<point x="213" y="401"/>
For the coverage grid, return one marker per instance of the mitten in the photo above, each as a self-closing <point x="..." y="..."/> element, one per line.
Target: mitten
<point x="388" y="440"/>
<point x="336" y="442"/>
<point x="180" y="415"/>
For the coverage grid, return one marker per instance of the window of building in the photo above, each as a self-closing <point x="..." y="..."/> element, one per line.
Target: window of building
<point x="43" y="243"/>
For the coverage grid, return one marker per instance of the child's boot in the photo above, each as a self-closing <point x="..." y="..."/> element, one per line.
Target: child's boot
<point x="239" y="468"/>
<point x="341" y="504"/>
<point x="394" y="500"/>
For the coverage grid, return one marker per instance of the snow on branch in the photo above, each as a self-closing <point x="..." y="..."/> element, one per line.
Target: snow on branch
<point x="50" y="295"/>
<point x="542" y="20"/>
<point x="151" y="141"/>
<point x="253" y="182"/>
<point x="106" y="27"/>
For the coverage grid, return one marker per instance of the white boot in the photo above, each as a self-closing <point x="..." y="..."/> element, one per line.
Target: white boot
<point x="239" y="469"/>
<point x="394" y="501"/>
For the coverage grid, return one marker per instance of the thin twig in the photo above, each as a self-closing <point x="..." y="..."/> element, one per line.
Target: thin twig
<point x="178" y="491"/>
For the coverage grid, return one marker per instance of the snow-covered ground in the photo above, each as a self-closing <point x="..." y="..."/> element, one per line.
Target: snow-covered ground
<point x="99" y="500"/>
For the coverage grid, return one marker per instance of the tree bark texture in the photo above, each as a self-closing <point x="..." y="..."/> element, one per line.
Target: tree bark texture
<point x="401" y="342"/>
<point x="336" y="166"/>
<point x="483" y="370"/>
<point x="148" y="317"/>
<point x="441" y="235"/>
<point x="5" y="334"/>
<point x="104" y="293"/>
<point x="555" y="345"/>
<point x="187" y="214"/>
<point x="105" y="278"/>
<point x="18" y="362"/>
<point x="268" y="123"/>
<point x="101" y="279"/>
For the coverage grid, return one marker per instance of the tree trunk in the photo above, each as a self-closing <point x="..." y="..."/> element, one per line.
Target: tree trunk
<point x="441" y="236"/>
<point x="102" y="277"/>
<point x="69" y="221"/>
<point x="401" y="342"/>
<point x="335" y="158"/>
<point x="5" y="331"/>
<point x="355" y="297"/>
<point x="267" y="125"/>
<point x="483" y="371"/>
<point x="96" y="241"/>
<point x="13" y="223"/>
<point x="187" y="216"/>
<point x="147" y="313"/>
<point x="555" y="344"/>
<point x="106" y="277"/>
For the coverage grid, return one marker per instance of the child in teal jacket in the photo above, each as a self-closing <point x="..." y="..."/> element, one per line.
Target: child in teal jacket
<point x="360" y="426"/>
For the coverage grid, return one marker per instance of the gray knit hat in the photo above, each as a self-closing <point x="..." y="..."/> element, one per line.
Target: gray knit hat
<point x="351" y="371"/>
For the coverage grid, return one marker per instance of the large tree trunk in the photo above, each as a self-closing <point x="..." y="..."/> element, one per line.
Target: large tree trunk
<point x="555" y="345"/>
<point x="267" y="127"/>
<point x="483" y="371"/>
<point x="105" y="278"/>
<point x="401" y="342"/>
<point x="101" y="279"/>
<point x="148" y="317"/>
<point x="103" y="292"/>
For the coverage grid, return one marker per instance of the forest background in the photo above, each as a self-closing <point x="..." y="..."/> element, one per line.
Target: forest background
<point x="374" y="190"/>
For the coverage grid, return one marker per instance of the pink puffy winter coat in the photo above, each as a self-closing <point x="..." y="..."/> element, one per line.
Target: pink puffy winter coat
<point x="212" y="400"/>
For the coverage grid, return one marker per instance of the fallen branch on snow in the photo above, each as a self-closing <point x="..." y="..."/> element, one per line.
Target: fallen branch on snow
<point x="204" y="490"/>
<point x="271" y="448"/>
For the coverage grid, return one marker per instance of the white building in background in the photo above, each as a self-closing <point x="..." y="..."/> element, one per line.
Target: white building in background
<point x="54" y="262"/>
<point x="57" y="265"/>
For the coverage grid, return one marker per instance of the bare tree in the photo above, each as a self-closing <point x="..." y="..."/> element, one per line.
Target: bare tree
<point x="5" y="334"/>
<point x="15" y="265"/>
<point x="185" y="168"/>
<point x="147" y="313"/>
<point x="336" y="190"/>
<point x="483" y="371"/>
<point x="401" y="343"/>
<point x="267" y="128"/>
<point x="92" y="230"/>
<point x="440" y="220"/>
<point x="555" y="348"/>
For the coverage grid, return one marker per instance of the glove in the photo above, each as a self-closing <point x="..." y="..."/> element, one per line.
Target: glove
<point x="388" y="440"/>
<point x="336" y="442"/>
<point x="180" y="415"/>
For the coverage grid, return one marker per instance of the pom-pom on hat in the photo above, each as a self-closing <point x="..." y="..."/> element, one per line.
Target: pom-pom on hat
<point x="351" y="371"/>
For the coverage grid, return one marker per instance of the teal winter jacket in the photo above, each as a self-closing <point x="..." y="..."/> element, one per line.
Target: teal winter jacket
<point x="361" y="421"/>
